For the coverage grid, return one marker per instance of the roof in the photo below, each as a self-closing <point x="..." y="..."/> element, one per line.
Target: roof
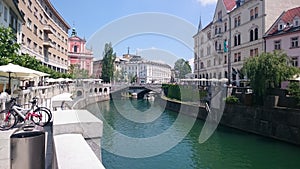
<point x="290" y="15"/>
<point x="55" y="12"/>
<point x="229" y="4"/>
<point x="287" y="17"/>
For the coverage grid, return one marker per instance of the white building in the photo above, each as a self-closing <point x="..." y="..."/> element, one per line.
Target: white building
<point x="10" y="16"/>
<point x="239" y="26"/>
<point x="145" y="71"/>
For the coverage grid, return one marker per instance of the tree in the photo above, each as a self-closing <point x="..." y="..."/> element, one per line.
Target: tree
<point x="182" y="68"/>
<point x="8" y="47"/>
<point x="108" y="63"/>
<point x="267" y="71"/>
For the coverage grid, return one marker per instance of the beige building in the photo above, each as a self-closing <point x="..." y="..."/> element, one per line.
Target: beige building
<point x="235" y="33"/>
<point x="45" y="34"/>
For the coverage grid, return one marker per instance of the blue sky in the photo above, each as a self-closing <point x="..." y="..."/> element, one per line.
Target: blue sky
<point x="92" y="16"/>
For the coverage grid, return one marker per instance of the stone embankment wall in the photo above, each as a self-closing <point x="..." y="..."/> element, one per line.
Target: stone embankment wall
<point x="278" y="123"/>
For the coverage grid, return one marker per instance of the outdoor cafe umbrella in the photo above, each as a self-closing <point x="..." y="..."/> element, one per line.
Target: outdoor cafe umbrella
<point x="11" y="70"/>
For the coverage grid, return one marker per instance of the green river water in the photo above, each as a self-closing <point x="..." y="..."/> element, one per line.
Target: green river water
<point x="226" y="149"/>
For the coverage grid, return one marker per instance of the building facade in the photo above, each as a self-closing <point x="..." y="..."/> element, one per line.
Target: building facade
<point x="10" y="16"/>
<point x="144" y="71"/>
<point x="235" y="33"/>
<point x="79" y="55"/>
<point x="45" y="34"/>
<point x="284" y="35"/>
<point x="97" y="69"/>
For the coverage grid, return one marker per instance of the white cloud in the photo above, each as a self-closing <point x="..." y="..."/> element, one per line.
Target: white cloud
<point x="207" y="2"/>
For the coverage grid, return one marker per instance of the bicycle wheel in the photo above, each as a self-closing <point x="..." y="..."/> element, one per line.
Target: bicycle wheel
<point x="46" y="109"/>
<point x="7" y="120"/>
<point x="40" y="117"/>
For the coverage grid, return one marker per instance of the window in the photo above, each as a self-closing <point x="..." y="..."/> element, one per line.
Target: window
<point x="209" y="35"/>
<point x="220" y="15"/>
<point x="28" y="42"/>
<point x="280" y="27"/>
<point x="294" y="61"/>
<point x="251" y="35"/>
<point x="256" y="52"/>
<point x="75" y="49"/>
<point x="296" y="21"/>
<point x="216" y="30"/>
<point x="40" y="50"/>
<point x="294" y="42"/>
<point x="225" y="59"/>
<point x="237" y="57"/>
<point x="1" y="7"/>
<point x="208" y="50"/>
<point x="202" y="65"/>
<point x="251" y="52"/>
<point x="41" y="18"/>
<point x="41" y="34"/>
<point x="208" y="63"/>
<point x="277" y="45"/>
<point x="216" y="45"/>
<point x="225" y="26"/>
<point x="256" y="12"/>
<point x="237" y="21"/>
<point x="255" y="33"/>
<point x="237" y="39"/>
<point x="35" y="29"/>
<point x="5" y="13"/>
<point x="29" y="23"/>
<point x="251" y="14"/>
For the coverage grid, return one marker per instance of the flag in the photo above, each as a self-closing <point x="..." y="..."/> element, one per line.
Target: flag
<point x="225" y="46"/>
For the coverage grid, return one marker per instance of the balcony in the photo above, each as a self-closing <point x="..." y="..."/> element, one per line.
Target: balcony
<point x="219" y="51"/>
<point x="48" y="29"/>
<point x="218" y="34"/>
<point x="47" y="44"/>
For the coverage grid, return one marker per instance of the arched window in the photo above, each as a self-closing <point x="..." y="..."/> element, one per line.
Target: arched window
<point x="216" y="45"/>
<point x="75" y="48"/>
<point x="235" y="40"/>
<point x="256" y="12"/>
<point x="255" y="33"/>
<point x="251" y="35"/>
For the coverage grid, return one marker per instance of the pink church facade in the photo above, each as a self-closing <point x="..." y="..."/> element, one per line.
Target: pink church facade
<point x="78" y="54"/>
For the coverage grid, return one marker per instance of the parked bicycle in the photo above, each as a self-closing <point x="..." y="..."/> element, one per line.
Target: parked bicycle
<point x="15" y="114"/>
<point x="35" y="105"/>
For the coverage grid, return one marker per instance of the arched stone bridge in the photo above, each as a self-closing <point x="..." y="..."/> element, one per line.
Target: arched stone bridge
<point x="140" y="90"/>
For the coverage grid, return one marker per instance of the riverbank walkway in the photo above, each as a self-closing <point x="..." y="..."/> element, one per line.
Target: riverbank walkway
<point x="74" y="136"/>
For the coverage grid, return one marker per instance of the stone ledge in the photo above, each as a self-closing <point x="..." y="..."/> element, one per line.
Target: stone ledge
<point x="5" y="148"/>
<point x="77" y="121"/>
<point x="72" y="151"/>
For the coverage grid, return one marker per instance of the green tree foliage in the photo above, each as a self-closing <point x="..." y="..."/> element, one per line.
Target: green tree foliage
<point x="267" y="71"/>
<point x="108" y="63"/>
<point x="183" y="93"/>
<point x="8" y="47"/>
<point x="294" y="90"/>
<point x="182" y="68"/>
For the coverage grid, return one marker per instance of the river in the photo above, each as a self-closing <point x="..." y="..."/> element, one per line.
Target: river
<point x="226" y="149"/>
